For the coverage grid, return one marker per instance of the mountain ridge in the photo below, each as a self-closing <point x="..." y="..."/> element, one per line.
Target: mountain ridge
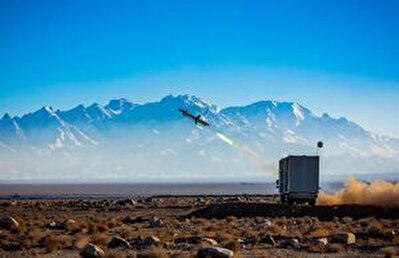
<point x="157" y="131"/>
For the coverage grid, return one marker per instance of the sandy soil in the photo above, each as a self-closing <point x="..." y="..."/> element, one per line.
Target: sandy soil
<point x="178" y="226"/>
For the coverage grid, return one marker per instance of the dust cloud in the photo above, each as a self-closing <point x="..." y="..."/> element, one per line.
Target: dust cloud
<point x="378" y="192"/>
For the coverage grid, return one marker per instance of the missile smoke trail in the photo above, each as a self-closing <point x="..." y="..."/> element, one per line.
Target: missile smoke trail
<point x="247" y="152"/>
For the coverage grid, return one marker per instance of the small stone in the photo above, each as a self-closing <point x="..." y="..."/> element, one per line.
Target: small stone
<point x="55" y="226"/>
<point x="92" y="251"/>
<point x="148" y="242"/>
<point x="344" y="238"/>
<point x="125" y="202"/>
<point x="291" y="243"/>
<point x="117" y="242"/>
<point x="130" y="220"/>
<point x="323" y="241"/>
<point x="214" y="252"/>
<point x="250" y="240"/>
<point x="269" y="240"/>
<point x="156" y="222"/>
<point x="209" y="241"/>
<point x="69" y="222"/>
<point x="9" y="222"/>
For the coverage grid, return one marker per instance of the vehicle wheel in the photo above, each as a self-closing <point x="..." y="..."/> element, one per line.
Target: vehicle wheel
<point x="283" y="199"/>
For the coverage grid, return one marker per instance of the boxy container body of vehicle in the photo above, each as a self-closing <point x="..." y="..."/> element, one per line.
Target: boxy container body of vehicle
<point x="299" y="179"/>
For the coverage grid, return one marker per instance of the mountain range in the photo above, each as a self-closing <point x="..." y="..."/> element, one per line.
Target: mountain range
<point x="153" y="141"/>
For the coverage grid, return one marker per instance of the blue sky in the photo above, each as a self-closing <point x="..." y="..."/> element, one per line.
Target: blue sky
<point x="339" y="57"/>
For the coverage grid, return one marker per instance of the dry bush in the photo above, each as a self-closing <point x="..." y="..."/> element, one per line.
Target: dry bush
<point x="54" y="242"/>
<point x="233" y="245"/>
<point x="231" y="219"/>
<point x="335" y="248"/>
<point x="366" y="221"/>
<point x="113" y="222"/>
<point x="316" y="248"/>
<point x="375" y="227"/>
<point x="121" y="254"/>
<point x="100" y="239"/>
<point x="6" y="237"/>
<point x="80" y="241"/>
<point x="226" y="237"/>
<point x="346" y="220"/>
<point x="319" y="232"/>
<point x="283" y="221"/>
<point x="389" y="251"/>
<point x="395" y="240"/>
<point x="274" y="229"/>
<point x="95" y="227"/>
<point x="73" y="227"/>
<point x="212" y="229"/>
<point x="125" y="232"/>
<point x="32" y="238"/>
<point x="154" y="253"/>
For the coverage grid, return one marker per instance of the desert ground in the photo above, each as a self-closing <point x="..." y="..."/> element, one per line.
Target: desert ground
<point x="194" y="226"/>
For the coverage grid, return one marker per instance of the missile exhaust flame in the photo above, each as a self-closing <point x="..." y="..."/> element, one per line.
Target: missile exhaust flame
<point x="253" y="156"/>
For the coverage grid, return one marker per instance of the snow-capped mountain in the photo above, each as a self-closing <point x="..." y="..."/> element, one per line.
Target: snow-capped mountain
<point x="150" y="141"/>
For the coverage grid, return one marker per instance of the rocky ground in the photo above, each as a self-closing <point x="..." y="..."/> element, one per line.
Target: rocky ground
<point x="194" y="226"/>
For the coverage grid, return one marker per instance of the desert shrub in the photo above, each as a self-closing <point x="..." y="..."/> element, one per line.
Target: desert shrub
<point x="275" y="229"/>
<point x="316" y="248"/>
<point x="346" y="220"/>
<point x="389" y="251"/>
<point x="113" y="222"/>
<point x="54" y="242"/>
<point x="375" y="227"/>
<point x="125" y="232"/>
<point x="154" y="253"/>
<point x="80" y="241"/>
<point x="335" y="248"/>
<point x="232" y="245"/>
<point x="121" y="254"/>
<point x="319" y="232"/>
<point x="231" y="219"/>
<point x="100" y="239"/>
<point x="366" y="221"/>
<point x="281" y="221"/>
<point x="32" y="238"/>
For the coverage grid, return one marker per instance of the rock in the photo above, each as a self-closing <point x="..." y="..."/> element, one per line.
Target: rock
<point x="323" y="241"/>
<point x="117" y="242"/>
<point x="130" y="220"/>
<point x="69" y="222"/>
<point x="291" y="243"/>
<point x="269" y="240"/>
<point x="181" y="246"/>
<point x="156" y="222"/>
<point x="209" y="241"/>
<point x="344" y="238"/>
<point x="92" y="251"/>
<point x="11" y="246"/>
<point x="267" y="223"/>
<point x="9" y="223"/>
<point x="251" y="240"/>
<point x="148" y="242"/>
<point x="214" y="252"/>
<point x="55" y="226"/>
<point x="260" y="220"/>
<point x="125" y="202"/>
<point x="190" y="240"/>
